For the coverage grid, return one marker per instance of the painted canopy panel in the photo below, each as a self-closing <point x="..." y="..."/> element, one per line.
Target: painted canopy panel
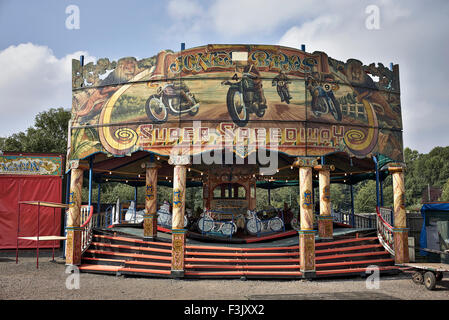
<point x="299" y="103"/>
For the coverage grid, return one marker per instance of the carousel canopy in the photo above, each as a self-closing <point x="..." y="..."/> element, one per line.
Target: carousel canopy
<point x="239" y="100"/>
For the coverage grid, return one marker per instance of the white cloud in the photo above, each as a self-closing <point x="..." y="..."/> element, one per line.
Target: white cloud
<point x="184" y="9"/>
<point x="411" y="35"/>
<point x="33" y="79"/>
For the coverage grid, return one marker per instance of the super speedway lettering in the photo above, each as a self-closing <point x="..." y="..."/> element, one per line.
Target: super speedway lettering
<point x="201" y="61"/>
<point x="228" y="132"/>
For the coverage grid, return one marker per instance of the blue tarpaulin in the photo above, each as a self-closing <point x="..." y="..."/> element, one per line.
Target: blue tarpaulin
<point x="441" y="207"/>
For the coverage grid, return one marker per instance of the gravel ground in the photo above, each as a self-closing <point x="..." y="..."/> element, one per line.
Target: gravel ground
<point x="23" y="281"/>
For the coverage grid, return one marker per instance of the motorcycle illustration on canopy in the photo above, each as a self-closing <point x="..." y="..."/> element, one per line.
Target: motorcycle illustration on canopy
<point x="245" y="95"/>
<point x="171" y="98"/>
<point x="323" y="99"/>
<point x="281" y="82"/>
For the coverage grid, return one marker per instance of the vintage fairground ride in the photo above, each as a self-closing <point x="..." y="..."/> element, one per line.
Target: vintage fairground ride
<point x="231" y="119"/>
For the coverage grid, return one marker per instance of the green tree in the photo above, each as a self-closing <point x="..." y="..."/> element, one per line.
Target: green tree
<point x="445" y="192"/>
<point x="49" y="134"/>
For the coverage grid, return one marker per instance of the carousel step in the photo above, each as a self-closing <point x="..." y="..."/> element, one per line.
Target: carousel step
<point x="103" y="261"/>
<point x="248" y="274"/>
<point x="193" y="260"/>
<point x="361" y="248"/>
<point x="243" y="267"/>
<point x="353" y="256"/>
<point x="145" y="272"/>
<point x="195" y="248"/>
<point x="354" y="271"/>
<point x="147" y="265"/>
<point x="346" y="264"/>
<point x="134" y="256"/>
<point x="135" y="242"/>
<point x="130" y="249"/>
<point x="345" y="242"/>
<point x="243" y="254"/>
<point x="99" y="268"/>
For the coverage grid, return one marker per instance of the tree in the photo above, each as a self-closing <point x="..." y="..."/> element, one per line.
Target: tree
<point x="445" y="193"/>
<point x="48" y="135"/>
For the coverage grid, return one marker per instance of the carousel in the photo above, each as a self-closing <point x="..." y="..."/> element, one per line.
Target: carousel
<point x="230" y="120"/>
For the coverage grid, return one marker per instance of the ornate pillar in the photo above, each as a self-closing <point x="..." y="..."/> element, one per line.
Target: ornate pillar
<point x="325" y="220"/>
<point x="73" y="241"/>
<point x="150" y="216"/>
<point x="306" y="234"/>
<point x="400" y="220"/>
<point x="178" y="231"/>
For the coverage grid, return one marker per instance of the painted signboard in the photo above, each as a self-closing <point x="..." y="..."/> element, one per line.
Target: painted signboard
<point x="30" y="165"/>
<point x="240" y="97"/>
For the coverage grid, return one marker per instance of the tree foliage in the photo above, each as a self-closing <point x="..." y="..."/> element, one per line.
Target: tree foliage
<point x="48" y="135"/>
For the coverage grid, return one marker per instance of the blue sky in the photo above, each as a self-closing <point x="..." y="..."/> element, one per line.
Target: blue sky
<point x="36" y="47"/>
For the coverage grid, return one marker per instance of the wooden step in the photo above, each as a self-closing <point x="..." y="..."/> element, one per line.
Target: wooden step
<point x="99" y="268"/>
<point x="341" y="272"/>
<point x="148" y="264"/>
<point x="130" y="248"/>
<point x="145" y="272"/>
<point x="242" y="267"/>
<point x="133" y="240"/>
<point x="133" y="256"/>
<point x="243" y="254"/>
<point x="252" y="274"/>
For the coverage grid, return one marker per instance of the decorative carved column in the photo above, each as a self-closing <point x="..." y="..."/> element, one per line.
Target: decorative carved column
<point x="73" y="242"/>
<point x="325" y="220"/>
<point x="150" y="216"/>
<point x="179" y="197"/>
<point x="400" y="219"/>
<point x="306" y="234"/>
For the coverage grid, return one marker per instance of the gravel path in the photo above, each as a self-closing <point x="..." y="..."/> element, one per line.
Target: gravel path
<point x="23" y="281"/>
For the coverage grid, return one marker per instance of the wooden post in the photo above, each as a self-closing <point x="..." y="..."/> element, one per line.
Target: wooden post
<point x="73" y="242"/>
<point x="306" y="234"/>
<point x="400" y="220"/>
<point x="325" y="220"/>
<point x="178" y="231"/>
<point x="150" y="216"/>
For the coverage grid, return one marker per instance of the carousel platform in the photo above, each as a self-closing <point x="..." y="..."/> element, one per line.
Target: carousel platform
<point x="121" y="251"/>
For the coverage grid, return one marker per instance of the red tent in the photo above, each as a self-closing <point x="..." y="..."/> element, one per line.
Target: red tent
<point x="29" y="177"/>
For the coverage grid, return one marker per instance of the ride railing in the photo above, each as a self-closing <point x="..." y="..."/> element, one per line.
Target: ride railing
<point x="354" y="220"/>
<point x="385" y="229"/>
<point x="87" y="224"/>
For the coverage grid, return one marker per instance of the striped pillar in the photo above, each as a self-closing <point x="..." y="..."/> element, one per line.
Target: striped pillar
<point x="325" y="220"/>
<point x="306" y="233"/>
<point x="400" y="219"/>
<point x="179" y="198"/>
<point x="73" y="241"/>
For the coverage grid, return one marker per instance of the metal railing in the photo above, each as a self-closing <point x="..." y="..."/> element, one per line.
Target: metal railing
<point x="385" y="229"/>
<point x="86" y="226"/>
<point x="355" y="221"/>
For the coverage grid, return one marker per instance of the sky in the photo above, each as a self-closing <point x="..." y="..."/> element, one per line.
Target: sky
<point x="37" y="45"/>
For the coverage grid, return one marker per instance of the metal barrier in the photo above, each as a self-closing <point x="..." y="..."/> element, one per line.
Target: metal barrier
<point x="385" y="229"/>
<point x="86" y="226"/>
